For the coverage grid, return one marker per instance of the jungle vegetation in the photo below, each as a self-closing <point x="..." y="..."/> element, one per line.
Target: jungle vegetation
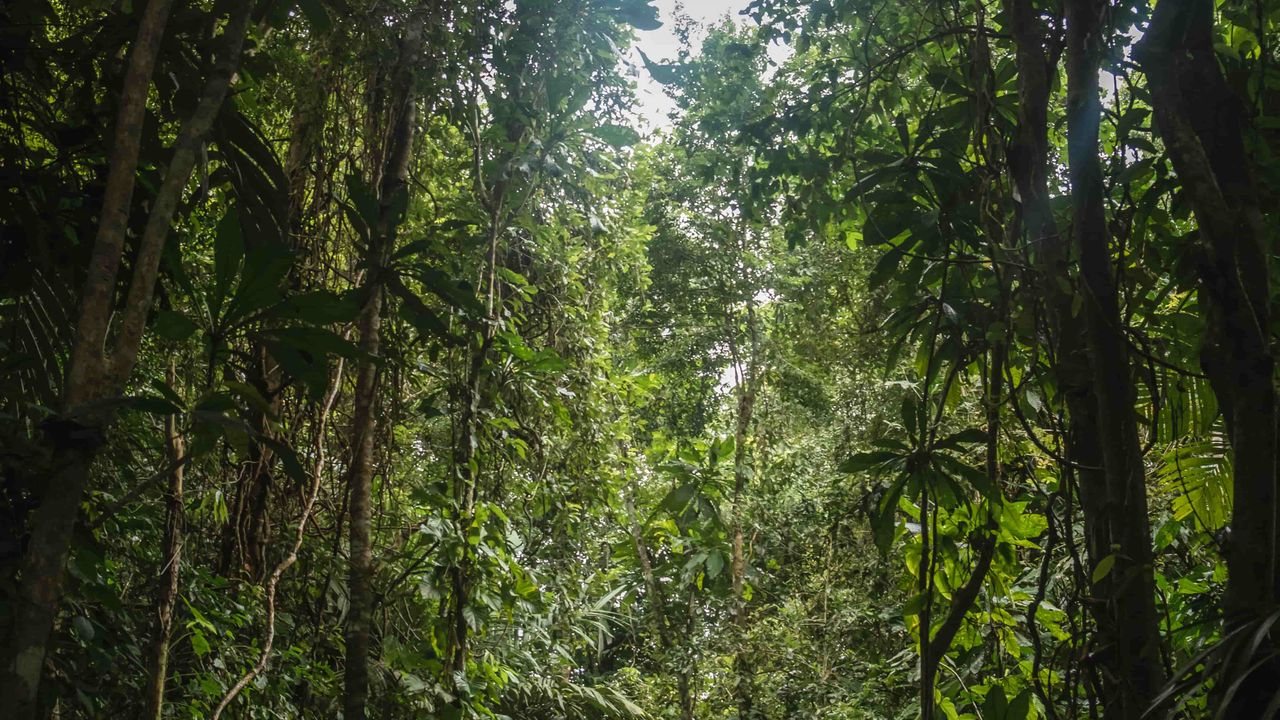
<point x="371" y="359"/>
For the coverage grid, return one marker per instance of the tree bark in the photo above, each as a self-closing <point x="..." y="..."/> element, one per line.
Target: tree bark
<point x="171" y="567"/>
<point x="94" y="373"/>
<point x="273" y="581"/>
<point x="394" y="187"/>
<point x="1199" y="121"/>
<point x="1029" y="164"/>
<point x="744" y="668"/>
<point x="1138" y="661"/>
<point x="85" y="370"/>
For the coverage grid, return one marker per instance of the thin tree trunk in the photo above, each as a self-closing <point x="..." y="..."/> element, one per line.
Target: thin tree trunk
<point x="94" y="374"/>
<point x="684" y="690"/>
<point x="744" y="669"/>
<point x="87" y="365"/>
<point x="937" y="643"/>
<point x="656" y="601"/>
<point x="273" y="581"/>
<point x="1136" y="630"/>
<point x="364" y="422"/>
<point x="171" y="563"/>
<point x="360" y="490"/>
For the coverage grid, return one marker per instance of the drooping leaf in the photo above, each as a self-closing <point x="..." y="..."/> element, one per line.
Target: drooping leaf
<point x="662" y="72"/>
<point x="173" y="326"/>
<point x="677" y="499"/>
<point x="864" y="461"/>
<point x="619" y="136"/>
<point x="228" y="250"/>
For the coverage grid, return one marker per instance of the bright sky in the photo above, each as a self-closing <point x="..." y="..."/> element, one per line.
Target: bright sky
<point x="661" y="44"/>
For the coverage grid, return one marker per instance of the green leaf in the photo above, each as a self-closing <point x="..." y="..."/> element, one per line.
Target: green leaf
<point x="364" y="201"/>
<point x="885" y="267"/>
<point x="1020" y="707"/>
<point x="228" y="250"/>
<point x="316" y="14"/>
<point x="619" y="136"/>
<point x="995" y="706"/>
<point x="910" y="414"/>
<point x="288" y="460"/>
<point x="173" y="326"/>
<point x="955" y="468"/>
<point x="317" y="341"/>
<point x="637" y="13"/>
<point x="199" y="644"/>
<point x="863" y="461"/>
<point x="915" y="605"/>
<point x="715" y="563"/>
<point x="724" y="448"/>
<point x="662" y="72"/>
<point x="311" y="370"/>
<point x="677" y="499"/>
<point x="884" y="521"/>
<point x="251" y="396"/>
<point x="546" y="360"/>
<point x="970" y="436"/>
<point x="84" y="628"/>
<point x="265" y="268"/>
<point x="1103" y="568"/>
<point x="320" y="307"/>
<point x="425" y="320"/>
<point x="153" y="405"/>
<point x="457" y="293"/>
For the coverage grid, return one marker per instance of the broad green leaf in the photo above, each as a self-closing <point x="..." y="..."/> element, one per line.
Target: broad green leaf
<point x="662" y="72"/>
<point x="1103" y="568"/>
<point x="619" y="136"/>
<point x="173" y="326"/>
<point x="863" y="461"/>
<point x="715" y="563"/>
<point x="677" y="499"/>
<point x="228" y="251"/>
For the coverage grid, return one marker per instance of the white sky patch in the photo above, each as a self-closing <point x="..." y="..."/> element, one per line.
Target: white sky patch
<point x="653" y="106"/>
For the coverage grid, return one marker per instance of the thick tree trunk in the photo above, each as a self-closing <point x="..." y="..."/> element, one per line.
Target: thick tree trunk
<point x="394" y="186"/>
<point x="95" y="373"/>
<point x="171" y="568"/>
<point x="1029" y="163"/>
<point x="1201" y="122"/>
<point x="1136" y="630"/>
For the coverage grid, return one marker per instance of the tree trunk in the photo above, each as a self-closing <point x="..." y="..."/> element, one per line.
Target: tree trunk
<point x="744" y="669"/>
<point x="1136" y="630"/>
<point x="1201" y="122"/>
<point x="95" y="373"/>
<point x="364" y="423"/>
<point x="171" y="564"/>
<point x="1029" y="165"/>
<point x="684" y="690"/>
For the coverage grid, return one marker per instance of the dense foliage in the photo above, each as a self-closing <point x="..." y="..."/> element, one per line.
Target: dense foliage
<point x="364" y="359"/>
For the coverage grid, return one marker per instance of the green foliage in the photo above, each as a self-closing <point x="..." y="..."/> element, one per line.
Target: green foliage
<point x="764" y="414"/>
